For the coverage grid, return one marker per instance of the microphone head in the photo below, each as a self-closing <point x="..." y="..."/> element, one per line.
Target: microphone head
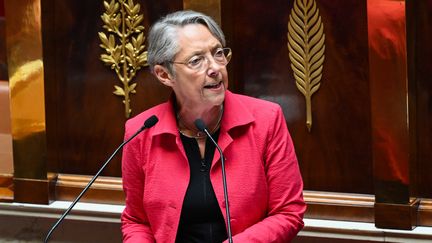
<point x="200" y="125"/>
<point x="151" y="121"/>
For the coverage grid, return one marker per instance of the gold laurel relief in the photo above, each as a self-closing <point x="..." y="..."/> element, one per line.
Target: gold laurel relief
<point x="306" y="50"/>
<point x="124" y="45"/>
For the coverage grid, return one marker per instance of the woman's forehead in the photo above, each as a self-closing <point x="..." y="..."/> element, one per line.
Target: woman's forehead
<point x="195" y="37"/>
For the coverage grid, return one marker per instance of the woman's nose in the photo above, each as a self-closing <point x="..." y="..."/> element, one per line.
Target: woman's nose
<point x="214" y="67"/>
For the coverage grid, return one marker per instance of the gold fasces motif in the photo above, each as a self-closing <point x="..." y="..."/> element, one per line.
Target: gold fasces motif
<point x="123" y="23"/>
<point x="306" y="50"/>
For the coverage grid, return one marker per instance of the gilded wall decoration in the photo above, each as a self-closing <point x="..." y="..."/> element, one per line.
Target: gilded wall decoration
<point x="124" y="45"/>
<point x="306" y="50"/>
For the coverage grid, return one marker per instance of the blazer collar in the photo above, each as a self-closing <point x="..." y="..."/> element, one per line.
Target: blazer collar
<point x="167" y="118"/>
<point x="236" y="113"/>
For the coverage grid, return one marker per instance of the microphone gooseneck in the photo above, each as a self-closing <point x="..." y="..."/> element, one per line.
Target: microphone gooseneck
<point x="202" y="127"/>
<point x="151" y="121"/>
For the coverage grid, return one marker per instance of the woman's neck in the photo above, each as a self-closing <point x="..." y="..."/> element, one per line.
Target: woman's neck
<point x="186" y="120"/>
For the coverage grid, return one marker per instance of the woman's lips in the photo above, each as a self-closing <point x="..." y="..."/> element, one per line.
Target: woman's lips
<point x="213" y="86"/>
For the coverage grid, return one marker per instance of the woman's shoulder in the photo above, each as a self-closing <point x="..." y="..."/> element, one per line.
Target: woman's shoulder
<point x="257" y="106"/>
<point x="138" y="120"/>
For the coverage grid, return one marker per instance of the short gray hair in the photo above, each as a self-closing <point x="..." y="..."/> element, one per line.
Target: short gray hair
<point x="163" y="39"/>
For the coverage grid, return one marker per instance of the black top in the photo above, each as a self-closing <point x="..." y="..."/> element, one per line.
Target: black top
<point x="201" y="219"/>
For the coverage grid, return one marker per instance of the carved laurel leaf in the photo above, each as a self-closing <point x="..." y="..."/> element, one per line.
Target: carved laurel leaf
<point x="110" y="16"/>
<point x="132" y="88"/>
<point x="138" y="42"/>
<point x="116" y="54"/>
<point x="108" y="60"/>
<point x="128" y="23"/>
<point x="106" y="5"/>
<point x="142" y="59"/>
<point x="306" y="48"/>
<point x="116" y="8"/>
<point x="106" y="19"/>
<point x="128" y="6"/>
<point x="132" y="9"/>
<point x="111" y="42"/>
<point x="136" y="9"/>
<point x="119" y="91"/>
<point x="129" y="49"/>
<point x="139" y="29"/>
<point x="104" y="40"/>
<point x="109" y="7"/>
<point x="117" y="22"/>
<point x="122" y="21"/>
<point x="138" y="20"/>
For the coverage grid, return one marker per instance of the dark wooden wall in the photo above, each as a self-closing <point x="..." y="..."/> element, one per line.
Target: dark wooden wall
<point x="85" y="119"/>
<point x="336" y="154"/>
<point x="419" y="16"/>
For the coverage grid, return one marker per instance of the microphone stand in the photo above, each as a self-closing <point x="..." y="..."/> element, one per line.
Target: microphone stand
<point x="202" y="127"/>
<point x="147" y="124"/>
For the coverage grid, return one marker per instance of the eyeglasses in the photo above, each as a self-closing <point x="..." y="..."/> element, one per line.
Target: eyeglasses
<point x="200" y="63"/>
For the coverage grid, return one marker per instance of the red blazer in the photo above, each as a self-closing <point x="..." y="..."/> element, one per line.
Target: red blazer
<point x="263" y="177"/>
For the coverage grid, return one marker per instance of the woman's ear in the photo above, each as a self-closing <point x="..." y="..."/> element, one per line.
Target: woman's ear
<point x="163" y="75"/>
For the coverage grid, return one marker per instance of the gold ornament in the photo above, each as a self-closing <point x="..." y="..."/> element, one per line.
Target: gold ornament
<point x="123" y="24"/>
<point x="306" y="50"/>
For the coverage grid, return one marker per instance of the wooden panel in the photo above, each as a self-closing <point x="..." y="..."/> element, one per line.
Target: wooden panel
<point x="3" y="59"/>
<point x="38" y="191"/>
<point x="320" y="205"/>
<point x="339" y="206"/>
<point x="425" y="213"/>
<point x="104" y="189"/>
<point x="397" y="216"/>
<point x="336" y="154"/>
<point x="27" y="103"/>
<point x="420" y="72"/>
<point x="6" y="188"/>
<point x="85" y="120"/>
<point x="6" y="159"/>
<point x="210" y="7"/>
<point x="388" y="85"/>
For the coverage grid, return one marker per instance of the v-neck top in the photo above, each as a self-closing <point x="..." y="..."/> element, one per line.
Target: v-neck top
<point x="201" y="219"/>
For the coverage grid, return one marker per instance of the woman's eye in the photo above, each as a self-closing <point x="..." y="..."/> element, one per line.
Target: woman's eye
<point x="219" y="53"/>
<point x="195" y="61"/>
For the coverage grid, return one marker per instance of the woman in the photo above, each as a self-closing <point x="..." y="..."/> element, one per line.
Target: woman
<point x="171" y="173"/>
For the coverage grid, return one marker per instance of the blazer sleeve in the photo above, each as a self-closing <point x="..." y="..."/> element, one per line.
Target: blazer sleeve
<point x="135" y="225"/>
<point x="286" y="205"/>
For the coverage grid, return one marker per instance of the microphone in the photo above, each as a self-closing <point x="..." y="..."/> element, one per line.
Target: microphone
<point x="151" y="121"/>
<point x="202" y="127"/>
